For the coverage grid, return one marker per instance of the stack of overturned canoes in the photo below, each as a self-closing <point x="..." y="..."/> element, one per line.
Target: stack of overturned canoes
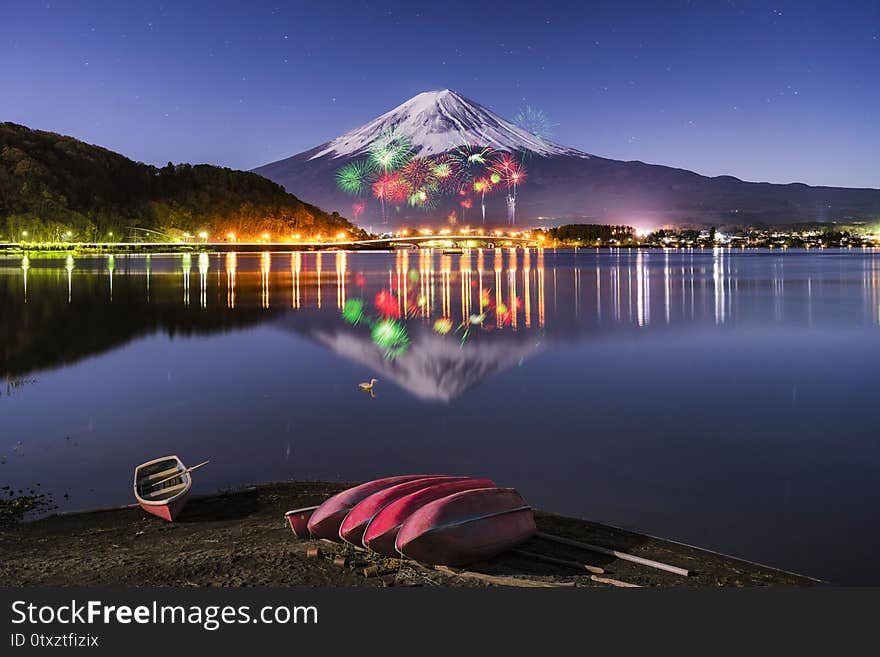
<point x="434" y="519"/>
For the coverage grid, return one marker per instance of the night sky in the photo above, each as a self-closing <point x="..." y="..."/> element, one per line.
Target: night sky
<point x="782" y="91"/>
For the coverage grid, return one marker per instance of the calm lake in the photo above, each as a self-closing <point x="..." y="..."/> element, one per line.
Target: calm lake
<point x="726" y="399"/>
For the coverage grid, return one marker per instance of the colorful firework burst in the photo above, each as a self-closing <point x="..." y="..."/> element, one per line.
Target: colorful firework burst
<point x="420" y="198"/>
<point x="482" y="186"/>
<point x="508" y="169"/>
<point x="354" y="177"/>
<point x="387" y="303"/>
<point x="419" y="173"/>
<point x="357" y="208"/>
<point x="472" y="160"/>
<point x="447" y="173"/>
<point x="353" y="311"/>
<point x="512" y="172"/>
<point x="443" y="326"/>
<point x="534" y="121"/>
<point x="391" y="337"/>
<point x="390" y="151"/>
<point x="470" y="155"/>
<point x="391" y="188"/>
<point x="502" y="163"/>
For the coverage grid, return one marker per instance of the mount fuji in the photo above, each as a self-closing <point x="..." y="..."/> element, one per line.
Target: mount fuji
<point x="436" y="122"/>
<point x="564" y="184"/>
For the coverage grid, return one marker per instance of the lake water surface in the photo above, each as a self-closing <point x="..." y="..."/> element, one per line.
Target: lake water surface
<point x="726" y="399"/>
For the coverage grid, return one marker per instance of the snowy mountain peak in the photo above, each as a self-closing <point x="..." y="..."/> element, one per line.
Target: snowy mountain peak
<point x="439" y="121"/>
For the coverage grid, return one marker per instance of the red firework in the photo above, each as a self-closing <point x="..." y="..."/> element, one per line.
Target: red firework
<point x="391" y="188"/>
<point x="466" y="203"/>
<point x="447" y="173"/>
<point x="386" y="304"/>
<point x="357" y="208"/>
<point x="419" y="173"/>
<point x="509" y="169"/>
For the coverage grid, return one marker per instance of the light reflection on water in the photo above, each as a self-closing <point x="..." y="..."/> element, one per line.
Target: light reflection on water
<point x="723" y="398"/>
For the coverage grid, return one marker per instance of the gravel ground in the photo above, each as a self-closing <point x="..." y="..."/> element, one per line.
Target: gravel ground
<point x="242" y="539"/>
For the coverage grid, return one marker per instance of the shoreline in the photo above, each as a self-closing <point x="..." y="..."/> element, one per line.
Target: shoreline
<point x="240" y="538"/>
<point x="170" y="249"/>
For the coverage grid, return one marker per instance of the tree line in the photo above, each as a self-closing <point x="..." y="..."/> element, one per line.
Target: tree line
<point x="55" y="188"/>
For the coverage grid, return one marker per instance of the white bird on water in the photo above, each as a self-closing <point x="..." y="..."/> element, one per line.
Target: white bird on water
<point x="367" y="387"/>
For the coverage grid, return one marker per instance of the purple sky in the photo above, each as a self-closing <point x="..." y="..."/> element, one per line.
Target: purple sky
<point x="783" y="91"/>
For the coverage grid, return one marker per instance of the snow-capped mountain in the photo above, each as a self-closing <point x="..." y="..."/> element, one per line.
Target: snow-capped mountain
<point x="563" y="185"/>
<point x="439" y="121"/>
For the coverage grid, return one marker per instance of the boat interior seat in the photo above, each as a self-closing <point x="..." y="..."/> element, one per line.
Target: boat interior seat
<point x="163" y="493"/>
<point x="159" y="475"/>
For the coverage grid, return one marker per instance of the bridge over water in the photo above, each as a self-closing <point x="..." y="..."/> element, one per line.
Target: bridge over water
<point x="416" y="241"/>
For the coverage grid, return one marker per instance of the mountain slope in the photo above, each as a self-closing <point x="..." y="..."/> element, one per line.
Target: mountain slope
<point x="438" y="121"/>
<point x="51" y="184"/>
<point x="563" y="184"/>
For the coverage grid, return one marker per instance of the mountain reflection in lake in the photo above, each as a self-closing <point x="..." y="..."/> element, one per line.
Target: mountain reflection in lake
<point x="720" y="398"/>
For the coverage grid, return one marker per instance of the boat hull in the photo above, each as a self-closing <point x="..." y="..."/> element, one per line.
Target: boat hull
<point x="328" y="517"/>
<point x="299" y="521"/>
<point x="355" y="523"/>
<point x="168" y="511"/>
<point x="382" y="530"/>
<point x="466" y="527"/>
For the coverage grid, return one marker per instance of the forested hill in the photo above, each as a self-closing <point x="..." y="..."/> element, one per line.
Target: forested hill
<point x="54" y="187"/>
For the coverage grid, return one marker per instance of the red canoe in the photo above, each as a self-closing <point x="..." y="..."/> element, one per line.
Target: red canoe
<point x="162" y="487"/>
<point x="327" y="518"/>
<point x="352" y="528"/>
<point x="382" y="530"/>
<point x="299" y="520"/>
<point x="466" y="527"/>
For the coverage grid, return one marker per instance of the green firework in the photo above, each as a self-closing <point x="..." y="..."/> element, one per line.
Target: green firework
<point x="391" y="337"/>
<point x="390" y="151"/>
<point x="354" y="177"/>
<point x="353" y="311"/>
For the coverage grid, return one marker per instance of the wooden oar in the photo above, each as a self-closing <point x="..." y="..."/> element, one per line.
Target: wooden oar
<point x="615" y="582"/>
<point x="502" y="580"/>
<point x="659" y="565"/>
<point x="562" y="562"/>
<point x="178" y="474"/>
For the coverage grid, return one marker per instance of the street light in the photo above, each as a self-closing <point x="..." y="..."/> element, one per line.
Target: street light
<point x="204" y="236"/>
